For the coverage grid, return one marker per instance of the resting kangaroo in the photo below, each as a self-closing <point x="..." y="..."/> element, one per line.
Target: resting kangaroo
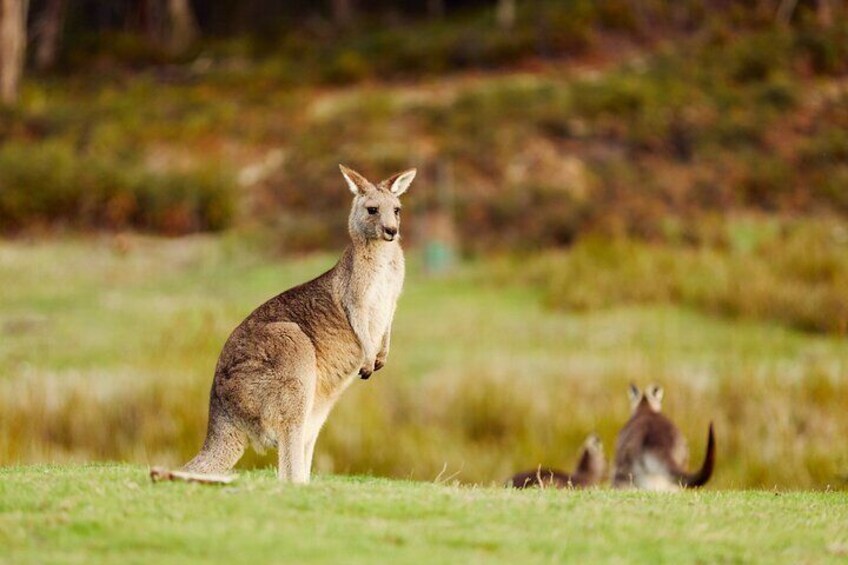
<point x="651" y="453"/>
<point x="283" y="368"/>
<point x="590" y="470"/>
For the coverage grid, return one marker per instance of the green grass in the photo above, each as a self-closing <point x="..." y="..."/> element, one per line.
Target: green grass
<point x="114" y="514"/>
<point x="108" y="348"/>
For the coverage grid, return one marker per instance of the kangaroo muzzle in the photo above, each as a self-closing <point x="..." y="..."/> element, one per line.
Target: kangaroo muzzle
<point x="389" y="233"/>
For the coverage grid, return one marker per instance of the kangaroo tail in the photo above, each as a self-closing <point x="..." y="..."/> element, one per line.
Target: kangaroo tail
<point x="700" y="477"/>
<point x="224" y="445"/>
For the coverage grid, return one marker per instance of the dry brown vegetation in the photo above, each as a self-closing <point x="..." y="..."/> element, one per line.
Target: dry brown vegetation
<point x="792" y="273"/>
<point x="642" y="141"/>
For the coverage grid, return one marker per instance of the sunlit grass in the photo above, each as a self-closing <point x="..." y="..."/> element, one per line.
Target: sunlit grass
<point x="108" y="348"/>
<point x="113" y="514"/>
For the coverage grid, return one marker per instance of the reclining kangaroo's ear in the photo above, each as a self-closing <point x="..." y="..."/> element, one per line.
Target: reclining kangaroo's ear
<point x="356" y="182"/>
<point x="633" y="394"/>
<point x="399" y="182"/>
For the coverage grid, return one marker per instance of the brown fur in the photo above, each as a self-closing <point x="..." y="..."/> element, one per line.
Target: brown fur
<point x="590" y="471"/>
<point x="651" y="453"/>
<point x="283" y="368"/>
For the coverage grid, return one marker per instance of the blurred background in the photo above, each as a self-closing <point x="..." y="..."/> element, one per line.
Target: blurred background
<point x="610" y="191"/>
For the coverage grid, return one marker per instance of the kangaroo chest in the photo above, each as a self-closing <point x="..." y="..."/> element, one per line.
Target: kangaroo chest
<point x="380" y="299"/>
<point x="378" y="295"/>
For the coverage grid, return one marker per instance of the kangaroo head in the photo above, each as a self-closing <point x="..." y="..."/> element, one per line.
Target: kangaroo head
<point x="593" y="443"/>
<point x="375" y="214"/>
<point x="593" y="459"/>
<point x="652" y="397"/>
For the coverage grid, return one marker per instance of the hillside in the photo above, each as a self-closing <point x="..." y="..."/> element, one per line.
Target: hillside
<point x="634" y="134"/>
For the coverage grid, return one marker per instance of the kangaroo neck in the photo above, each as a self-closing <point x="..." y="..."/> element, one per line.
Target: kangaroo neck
<point x="370" y="253"/>
<point x="363" y="260"/>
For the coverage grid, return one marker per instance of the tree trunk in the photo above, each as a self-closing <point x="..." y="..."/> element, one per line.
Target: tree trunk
<point x="48" y="31"/>
<point x="824" y="12"/>
<point x="785" y="11"/>
<point x="152" y="21"/>
<point x="342" y="12"/>
<point x="642" y="16"/>
<point x="436" y="9"/>
<point x="12" y="48"/>
<point x="183" y="27"/>
<point x="505" y="13"/>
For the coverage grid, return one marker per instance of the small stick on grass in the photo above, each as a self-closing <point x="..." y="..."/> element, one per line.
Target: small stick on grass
<point x="161" y="474"/>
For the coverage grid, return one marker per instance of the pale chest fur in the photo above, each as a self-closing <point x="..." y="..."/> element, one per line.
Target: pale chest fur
<point x="380" y="300"/>
<point x="375" y="288"/>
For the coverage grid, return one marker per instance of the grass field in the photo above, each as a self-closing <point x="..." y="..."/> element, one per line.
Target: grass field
<point x="113" y="514"/>
<point x="108" y="347"/>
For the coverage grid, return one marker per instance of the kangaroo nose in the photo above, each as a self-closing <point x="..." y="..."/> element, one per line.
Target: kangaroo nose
<point x="390" y="231"/>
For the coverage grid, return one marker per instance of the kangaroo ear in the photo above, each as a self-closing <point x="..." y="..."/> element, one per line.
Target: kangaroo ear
<point x="355" y="182"/>
<point x="399" y="182"/>
<point x="657" y="392"/>
<point x="633" y="394"/>
<point x="655" y="396"/>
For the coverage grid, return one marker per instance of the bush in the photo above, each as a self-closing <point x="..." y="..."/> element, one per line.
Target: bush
<point x="755" y="60"/>
<point x="825" y="51"/>
<point x="53" y="186"/>
<point x="796" y="278"/>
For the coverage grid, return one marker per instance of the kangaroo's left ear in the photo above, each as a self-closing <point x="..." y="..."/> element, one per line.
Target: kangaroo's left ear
<point x="634" y="394"/>
<point x="399" y="182"/>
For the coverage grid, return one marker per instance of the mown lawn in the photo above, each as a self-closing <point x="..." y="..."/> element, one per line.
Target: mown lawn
<point x="114" y="514"/>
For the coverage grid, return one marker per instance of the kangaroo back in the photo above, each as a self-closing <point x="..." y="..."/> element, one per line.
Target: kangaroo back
<point x="652" y="453"/>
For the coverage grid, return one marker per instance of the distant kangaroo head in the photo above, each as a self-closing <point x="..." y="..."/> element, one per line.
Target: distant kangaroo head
<point x="593" y="444"/>
<point x="375" y="214"/>
<point x="651" y="399"/>
<point x="593" y="461"/>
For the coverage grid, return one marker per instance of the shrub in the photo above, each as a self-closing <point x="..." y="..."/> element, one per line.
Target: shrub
<point x="766" y="181"/>
<point x="824" y="50"/>
<point x="796" y="279"/>
<point x="755" y="59"/>
<point x="50" y="185"/>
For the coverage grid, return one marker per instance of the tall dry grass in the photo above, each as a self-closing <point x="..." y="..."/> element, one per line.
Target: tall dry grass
<point x="794" y="275"/>
<point x="107" y="353"/>
<point x="475" y="425"/>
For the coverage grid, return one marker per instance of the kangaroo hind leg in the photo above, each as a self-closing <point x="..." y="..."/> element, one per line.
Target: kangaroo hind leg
<point x="224" y="445"/>
<point x="291" y="404"/>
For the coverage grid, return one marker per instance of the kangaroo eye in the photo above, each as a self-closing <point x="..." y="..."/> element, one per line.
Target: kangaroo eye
<point x="397" y="211"/>
<point x="372" y="210"/>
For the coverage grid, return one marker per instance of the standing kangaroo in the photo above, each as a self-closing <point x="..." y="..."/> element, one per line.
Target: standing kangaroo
<point x="651" y="453"/>
<point x="285" y="366"/>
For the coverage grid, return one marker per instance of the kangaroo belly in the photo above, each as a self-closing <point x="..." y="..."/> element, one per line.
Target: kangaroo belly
<point x="378" y="326"/>
<point x="339" y="357"/>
